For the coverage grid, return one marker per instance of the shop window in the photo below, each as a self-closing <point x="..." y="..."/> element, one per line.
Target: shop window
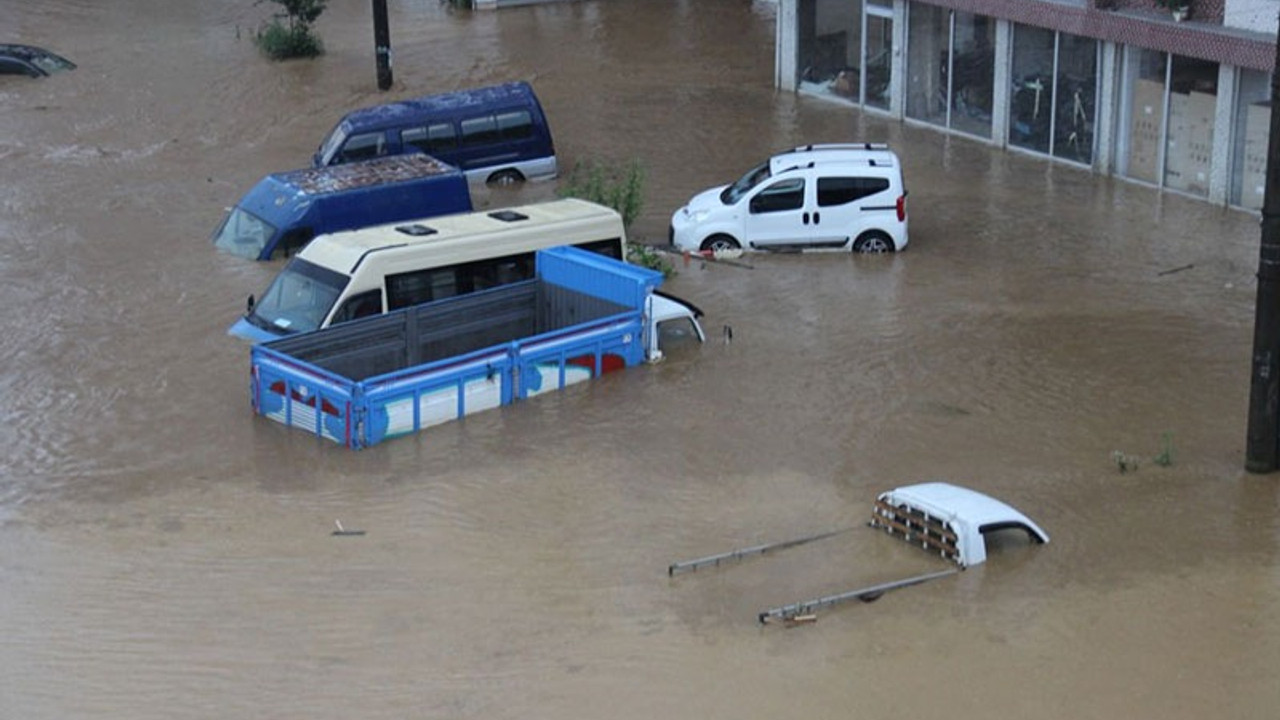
<point x="1188" y="150"/>
<point x="1142" y="125"/>
<point x="973" y="70"/>
<point x="928" y="63"/>
<point x="951" y="66"/>
<point x="1031" y="104"/>
<point x="830" y="41"/>
<point x="1076" y="95"/>
<point x="1253" y="130"/>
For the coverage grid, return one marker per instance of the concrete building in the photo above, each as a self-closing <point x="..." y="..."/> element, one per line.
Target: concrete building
<point x="1155" y="91"/>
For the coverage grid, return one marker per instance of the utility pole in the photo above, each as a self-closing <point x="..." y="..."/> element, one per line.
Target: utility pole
<point x="382" y="43"/>
<point x="1264" y="393"/>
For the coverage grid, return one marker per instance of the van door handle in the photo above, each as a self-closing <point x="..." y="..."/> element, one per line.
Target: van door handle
<point x="806" y="218"/>
<point x="815" y="219"/>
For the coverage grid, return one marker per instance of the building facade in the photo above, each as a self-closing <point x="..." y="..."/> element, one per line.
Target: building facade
<point x="1172" y="93"/>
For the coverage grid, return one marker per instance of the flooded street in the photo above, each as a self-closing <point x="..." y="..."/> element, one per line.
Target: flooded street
<point x="166" y="554"/>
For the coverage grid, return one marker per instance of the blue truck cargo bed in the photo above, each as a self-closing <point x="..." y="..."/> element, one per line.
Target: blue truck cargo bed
<point x="365" y="381"/>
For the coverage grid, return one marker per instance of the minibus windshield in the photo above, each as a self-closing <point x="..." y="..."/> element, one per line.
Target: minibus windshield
<point x="330" y="146"/>
<point x="243" y="234"/>
<point x="754" y="176"/>
<point x="299" y="299"/>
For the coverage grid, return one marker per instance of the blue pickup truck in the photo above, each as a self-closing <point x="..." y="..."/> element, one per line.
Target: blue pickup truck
<point x="284" y="211"/>
<point x="361" y="382"/>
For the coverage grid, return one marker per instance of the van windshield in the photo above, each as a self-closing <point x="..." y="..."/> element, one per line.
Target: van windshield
<point x="243" y="234"/>
<point x="330" y="146"/>
<point x="299" y="298"/>
<point x="743" y="185"/>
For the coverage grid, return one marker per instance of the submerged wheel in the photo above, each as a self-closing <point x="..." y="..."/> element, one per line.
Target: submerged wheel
<point x="873" y="241"/>
<point x="505" y="177"/>
<point x="720" y="243"/>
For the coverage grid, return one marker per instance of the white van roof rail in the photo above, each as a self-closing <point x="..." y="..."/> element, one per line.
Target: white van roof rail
<point x="841" y="146"/>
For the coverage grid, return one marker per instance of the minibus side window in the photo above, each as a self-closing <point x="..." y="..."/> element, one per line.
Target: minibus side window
<point x="415" y="288"/>
<point x="357" y="306"/>
<point x="515" y="124"/>
<point x="479" y="131"/>
<point x="363" y="147"/>
<point x="431" y="139"/>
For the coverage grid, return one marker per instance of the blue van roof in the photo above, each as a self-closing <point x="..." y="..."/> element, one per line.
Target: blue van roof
<point x="395" y="112"/>
<point x="380" y="171"/>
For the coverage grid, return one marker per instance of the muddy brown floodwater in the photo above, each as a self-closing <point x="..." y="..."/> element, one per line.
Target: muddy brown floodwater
<point x="164" y="554"/>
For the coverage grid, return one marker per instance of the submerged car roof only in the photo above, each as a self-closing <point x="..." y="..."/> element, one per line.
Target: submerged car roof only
<point x="949" y="519"/>
<point x="31" y="61"/>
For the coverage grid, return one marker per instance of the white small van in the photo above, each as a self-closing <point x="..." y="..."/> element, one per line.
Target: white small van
<point x="816" y="197"/>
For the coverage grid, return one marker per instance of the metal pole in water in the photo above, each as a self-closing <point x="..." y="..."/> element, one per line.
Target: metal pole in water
<point x="690" y="565"/>
<point x="1264" y="391"/>
<point x="382" y="43"/>
<point x="866" y="594"/>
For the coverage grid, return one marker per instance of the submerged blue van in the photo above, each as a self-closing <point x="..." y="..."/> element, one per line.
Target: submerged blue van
<point x="495" y="134"/>
<point x="285" y="210"/>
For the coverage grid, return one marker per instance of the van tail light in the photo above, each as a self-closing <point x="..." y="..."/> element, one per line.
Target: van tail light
<point x="902" y="207"/>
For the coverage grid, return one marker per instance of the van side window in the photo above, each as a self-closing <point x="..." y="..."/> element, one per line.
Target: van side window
<point x="431" y="139"/>
<point x="782" y="195"/>
<point x="358" y="306"/>
<point x="841" y="190"/>
<point x="415" y="288"/>
<point x="515" y="124"/>
<point x="363" y="147"/>
<point x="479" y="131"/>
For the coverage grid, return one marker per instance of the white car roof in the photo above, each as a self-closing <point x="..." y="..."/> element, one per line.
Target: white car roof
<point x="970" y="507"/>
<point x="863" y="154"/>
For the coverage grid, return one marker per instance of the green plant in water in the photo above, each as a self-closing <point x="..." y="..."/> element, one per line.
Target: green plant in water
<point x="620" y="187"/>
<point x="645" y="256"/>
<point x="1165" y="458"/>
<point x="293" y="37"/>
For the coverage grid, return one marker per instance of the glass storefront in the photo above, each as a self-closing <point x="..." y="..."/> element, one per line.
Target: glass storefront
<point x="1167" y="120"/>
<point x="1055" y="85"/>
<point x="1075" y="98"/>
<point x="846" y="49"/>
<point x="879" y="56"/>
<point x="1253" y="129"/>
<point x="949" y="88"/>
<point x="830" y="41"/>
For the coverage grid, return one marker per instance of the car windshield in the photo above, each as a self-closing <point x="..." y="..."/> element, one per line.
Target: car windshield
<point x="330" y="146"/>
<point x="51" y="63"/>
<point x="299" y="298"/>
<point x="243" y="234"/>
<point x="743" y="185"/>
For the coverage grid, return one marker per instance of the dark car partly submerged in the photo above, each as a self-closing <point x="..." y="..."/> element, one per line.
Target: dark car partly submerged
<point x="31" y="61"/>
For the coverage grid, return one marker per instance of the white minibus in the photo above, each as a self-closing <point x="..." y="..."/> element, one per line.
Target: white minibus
<point x="352" y="274"/>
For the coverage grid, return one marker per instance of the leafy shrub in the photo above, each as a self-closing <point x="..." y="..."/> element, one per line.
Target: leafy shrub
<point x="621" y="188"/>
<point x="281" y="41"/>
